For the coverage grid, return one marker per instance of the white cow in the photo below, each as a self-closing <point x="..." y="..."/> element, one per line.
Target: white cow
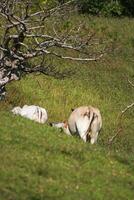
<point x="84" y="121"/>
<point x="32" y="112"/>
<point x="61" y="125"/>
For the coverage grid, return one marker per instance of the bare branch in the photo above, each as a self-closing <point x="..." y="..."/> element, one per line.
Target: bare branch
<point x="95" y="58"/>
<point x="127" y="108"/>
<point x="36" y="27"/>
<point x="3" y="49"/>
<point x="26" y="37"/>
<point x="132" y="84"/>
<point x="52" y="11"/>
<point x="119" y="126"/>
<point x="41" y="36"/>
<point x="48" y="70"/>
<point x="119" y="119"/>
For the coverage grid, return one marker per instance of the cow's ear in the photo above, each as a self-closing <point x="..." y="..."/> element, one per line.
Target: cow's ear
<point x="65" y="124"/>
<point x="50" y="124"/>
<point x="72" y="109"/>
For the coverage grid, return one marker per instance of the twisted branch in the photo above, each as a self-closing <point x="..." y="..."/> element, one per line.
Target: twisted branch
<point x="119" y="119"/>
<point x="22" y="41"/>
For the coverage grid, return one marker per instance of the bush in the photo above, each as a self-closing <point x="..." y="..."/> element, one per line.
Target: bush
<point x="106" y="7"/>
<point x="113" y="8"/>
<point x="128" y="7"/>
<point x="90" y="6"/>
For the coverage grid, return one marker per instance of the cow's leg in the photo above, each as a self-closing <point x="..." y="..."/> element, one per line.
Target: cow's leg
<point x="83" y="136"/>
<point x="94" y="138"/>
<point x="95" y="127"/>
<point x="82" y="125"/>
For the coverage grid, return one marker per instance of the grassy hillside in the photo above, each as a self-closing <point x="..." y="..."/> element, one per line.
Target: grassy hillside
<point x="39" y="162"/>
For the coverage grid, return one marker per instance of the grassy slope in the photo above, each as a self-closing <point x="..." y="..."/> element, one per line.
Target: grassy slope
<point x="38" y="162"/>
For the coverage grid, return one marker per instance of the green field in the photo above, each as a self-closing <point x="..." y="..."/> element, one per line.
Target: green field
<point x="38" y="162"/>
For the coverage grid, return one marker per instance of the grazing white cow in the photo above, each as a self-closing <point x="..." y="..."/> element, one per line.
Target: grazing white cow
<point x="62" y="125"/>
<point x="84" y="121"/>
<point x="32" y="112"/>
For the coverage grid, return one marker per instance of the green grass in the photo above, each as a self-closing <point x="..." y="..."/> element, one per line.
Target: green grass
<point x="38" y="162"/>
<point x="41" y="163"/>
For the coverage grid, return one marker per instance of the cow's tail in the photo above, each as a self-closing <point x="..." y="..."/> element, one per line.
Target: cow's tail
<point x="91" y="115"/>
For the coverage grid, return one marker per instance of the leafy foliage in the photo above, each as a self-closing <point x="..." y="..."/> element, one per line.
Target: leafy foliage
<point x="128" y="7"/>
<point x="107" y="7"/>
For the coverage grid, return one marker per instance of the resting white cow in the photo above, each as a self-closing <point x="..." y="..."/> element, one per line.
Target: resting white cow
<point x="84" y="121"/>
<point x="32" y="112"/>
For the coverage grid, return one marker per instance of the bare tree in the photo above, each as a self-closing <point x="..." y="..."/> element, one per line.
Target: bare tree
<point x="119" y="119"/>
<point x="24" y="38"/>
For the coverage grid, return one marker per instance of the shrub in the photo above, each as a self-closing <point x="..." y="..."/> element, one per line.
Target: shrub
<point x="90" y="6"/>
<point x="106" y="7"/>
<point x="128" y="7"/>
<point x="113" y="8"/>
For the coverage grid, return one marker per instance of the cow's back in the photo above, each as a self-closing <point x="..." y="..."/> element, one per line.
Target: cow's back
<point x="74" y="116"/>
